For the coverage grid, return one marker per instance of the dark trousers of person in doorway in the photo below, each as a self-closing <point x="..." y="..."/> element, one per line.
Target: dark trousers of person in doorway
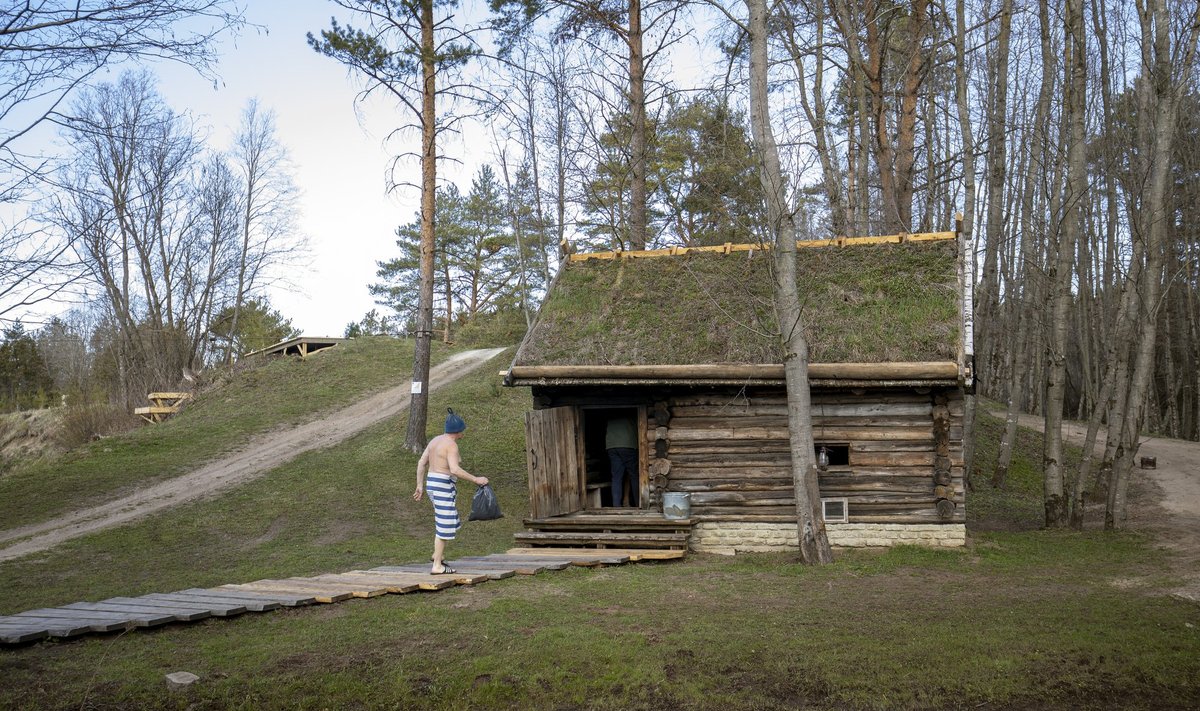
<point x="623" y="461"/>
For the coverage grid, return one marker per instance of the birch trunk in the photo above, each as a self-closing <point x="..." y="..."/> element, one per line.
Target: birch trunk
<point x="1075" y="78"/>
<point x="966" y="225"/>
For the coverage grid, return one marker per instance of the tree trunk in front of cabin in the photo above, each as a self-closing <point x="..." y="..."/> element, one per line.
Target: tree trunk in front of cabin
<point x="1075" y="76"/>
<point x="814" y="544"/>
<point x="418" y="409"/>
<point x="965" y="228"/>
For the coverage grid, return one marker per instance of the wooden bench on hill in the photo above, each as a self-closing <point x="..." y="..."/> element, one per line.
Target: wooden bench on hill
<point x="162" y="405"/>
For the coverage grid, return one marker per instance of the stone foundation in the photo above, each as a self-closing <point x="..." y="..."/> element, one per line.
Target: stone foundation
<point x="730" y="537"/>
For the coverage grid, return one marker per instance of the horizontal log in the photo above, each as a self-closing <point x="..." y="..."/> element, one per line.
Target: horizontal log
<point x="861" y="408"/>
<point x="772" y="484"/>
<point x="741" y="512"/>
<point x="729" y="471"/>
<point x="891" y="459"/>
<point x="850" y="486"/>
<point x="773" y="421"/>
<point x="743" y="498"/>
<point x="874" y="434"/>
<point x="873" y="500"/>
<point x="679" y="434"/>
<point x="778" y="398"/>
<point x="776" y="435"/>
<point x="938" y="370"/>
<point x="743" y="448"/>
<point x="747" y="517"/>
<point x="918" y="446"/>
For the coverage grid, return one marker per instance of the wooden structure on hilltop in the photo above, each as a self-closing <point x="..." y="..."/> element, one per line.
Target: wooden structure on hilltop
<point x="162" y="405"/>
<point x="300" y="345"/>
<point x="684" y="340"/>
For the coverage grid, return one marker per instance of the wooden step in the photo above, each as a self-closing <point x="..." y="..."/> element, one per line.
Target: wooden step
<point x="597" y="538"/>
<point x="608" y="522"/>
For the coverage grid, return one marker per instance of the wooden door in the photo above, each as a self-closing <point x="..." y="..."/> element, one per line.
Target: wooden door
<point x="554" y="457"/>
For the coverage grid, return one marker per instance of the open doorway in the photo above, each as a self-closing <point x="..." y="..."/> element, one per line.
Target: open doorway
<point x="603" y="427"/>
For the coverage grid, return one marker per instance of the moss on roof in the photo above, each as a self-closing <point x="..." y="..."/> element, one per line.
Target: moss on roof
<point x="870" y="303"/>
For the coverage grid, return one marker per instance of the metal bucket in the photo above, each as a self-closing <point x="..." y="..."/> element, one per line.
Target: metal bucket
<point x="677" y="505"/>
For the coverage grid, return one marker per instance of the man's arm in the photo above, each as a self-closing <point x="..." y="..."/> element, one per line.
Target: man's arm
<point x="455" y="463"/>
<point x="422" y="466"/>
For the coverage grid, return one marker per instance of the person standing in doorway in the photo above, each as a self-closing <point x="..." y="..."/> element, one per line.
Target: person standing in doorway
<point x="620" y="439"/>
<point x="437" y="470"/>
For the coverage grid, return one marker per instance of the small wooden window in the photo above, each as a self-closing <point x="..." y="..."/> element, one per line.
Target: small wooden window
<point x="836" y="455"/>
<point x="835" y="510"/>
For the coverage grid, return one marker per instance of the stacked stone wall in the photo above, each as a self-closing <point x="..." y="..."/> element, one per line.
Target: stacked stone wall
<point x="730" y="537"/>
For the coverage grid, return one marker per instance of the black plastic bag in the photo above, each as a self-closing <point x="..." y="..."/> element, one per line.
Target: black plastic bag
<point x="484" y="506"/>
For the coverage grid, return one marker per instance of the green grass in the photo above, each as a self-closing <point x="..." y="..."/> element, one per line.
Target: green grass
<point x="1020" y="619"/>
<point x="282" y="391"/>
<point x="1017" y="506"/>
<point x="861" y="304"/>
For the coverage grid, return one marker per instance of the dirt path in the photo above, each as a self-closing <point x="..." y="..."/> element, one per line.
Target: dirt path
<point x="260" y="455"/>
<point x="1164" y="502"/>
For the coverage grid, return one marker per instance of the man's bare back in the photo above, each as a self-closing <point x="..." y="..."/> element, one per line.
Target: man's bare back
<point x="441" y="455"/>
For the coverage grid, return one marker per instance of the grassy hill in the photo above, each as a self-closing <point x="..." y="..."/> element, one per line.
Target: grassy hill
<point x="1021" y="619"/>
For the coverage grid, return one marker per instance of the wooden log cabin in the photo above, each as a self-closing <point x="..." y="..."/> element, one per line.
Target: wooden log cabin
<point x="685" y="342"/>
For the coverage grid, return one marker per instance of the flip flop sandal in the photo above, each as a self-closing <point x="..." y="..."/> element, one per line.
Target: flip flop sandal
<point x="446" y="570"/>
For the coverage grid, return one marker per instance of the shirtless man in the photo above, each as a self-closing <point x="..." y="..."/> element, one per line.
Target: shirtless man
<point x="439" y="467"/>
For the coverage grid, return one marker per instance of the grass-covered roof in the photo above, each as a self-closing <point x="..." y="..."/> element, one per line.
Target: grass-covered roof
<point x="875" y="303"/>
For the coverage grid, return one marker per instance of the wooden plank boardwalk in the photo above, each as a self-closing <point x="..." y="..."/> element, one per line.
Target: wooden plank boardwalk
<point x="127" y="613"/>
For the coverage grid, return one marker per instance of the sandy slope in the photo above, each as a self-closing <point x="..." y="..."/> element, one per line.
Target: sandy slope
<point x="259" y="456"/>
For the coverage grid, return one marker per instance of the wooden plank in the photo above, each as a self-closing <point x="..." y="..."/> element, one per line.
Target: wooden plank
<point x="225" y="609"/>
<point x="379" y="585"/>
<point x="216" y="608"/>
<point x="460" y="577"/>
<point x="320" y="593"/>
<point x="294" y="600"/>
<point x="156" y="410"/>
<point x="169" y="396"/>
<point x="145" y="615"/>
<point x="21" y="636"/>
<point x="603" y="520"/>
<point x="358" y="587"/>
<point x="520" y="567"/>
<point x="423" y="581"/>
<point x="463" y="568"/>
<point x="567" y="561"/>
<point x="51" y="626"/>
<point x="181" y="598"/>
<point x="95" y="621"/>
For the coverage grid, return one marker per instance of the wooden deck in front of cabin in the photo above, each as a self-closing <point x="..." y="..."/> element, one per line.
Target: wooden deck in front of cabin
<point x="625" y="528"/>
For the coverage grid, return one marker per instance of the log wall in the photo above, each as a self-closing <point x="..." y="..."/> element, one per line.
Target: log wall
<point x="732" y="454"/>
<point x="729" y="449"/>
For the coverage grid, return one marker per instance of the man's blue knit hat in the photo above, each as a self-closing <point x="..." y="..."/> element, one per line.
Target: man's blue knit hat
<point x="454" y="423"/>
